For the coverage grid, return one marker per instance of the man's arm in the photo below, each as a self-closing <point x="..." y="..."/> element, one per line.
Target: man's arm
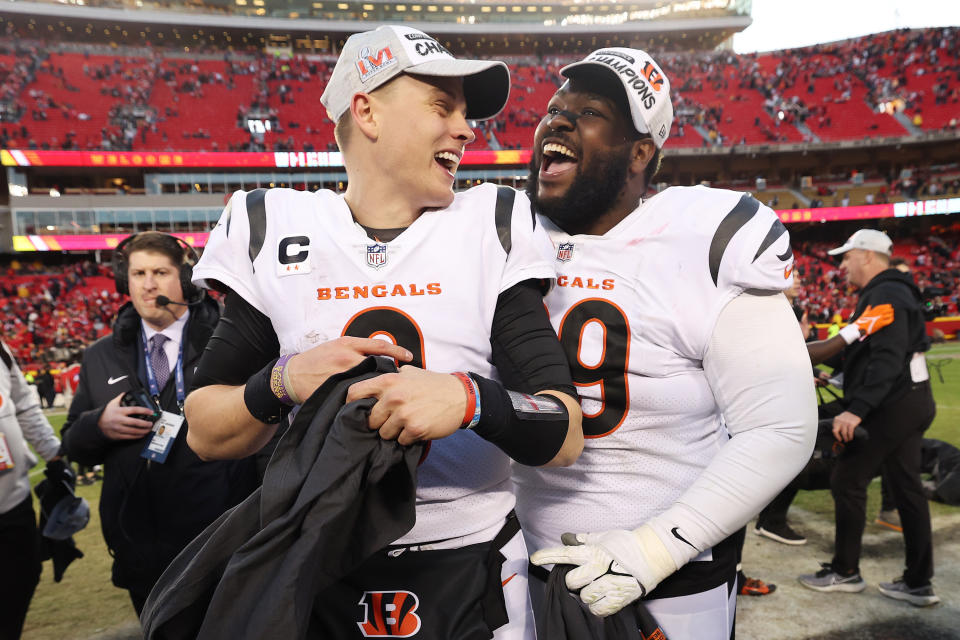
<point x="539" y="429"/>
<point x="869" y="322"/>
<point x="888" y="354"/>
<point x="91" y="430"/>
<point x="225" y="418"/>
<point x="34" y="425"/>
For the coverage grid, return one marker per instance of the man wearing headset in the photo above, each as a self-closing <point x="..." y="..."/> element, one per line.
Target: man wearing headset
<point x="157" y="494"/>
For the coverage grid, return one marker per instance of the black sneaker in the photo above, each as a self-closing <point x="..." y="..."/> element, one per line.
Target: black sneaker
<point x="780" y="532"/>
<point x="917" y="596"/>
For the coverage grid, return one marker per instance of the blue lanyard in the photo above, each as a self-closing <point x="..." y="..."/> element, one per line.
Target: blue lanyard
<point x="177" y="375"/>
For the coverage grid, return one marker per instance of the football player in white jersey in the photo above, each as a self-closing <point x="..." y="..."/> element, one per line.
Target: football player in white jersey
<point x="455" y="282"/>
<point x="694" y="382"/>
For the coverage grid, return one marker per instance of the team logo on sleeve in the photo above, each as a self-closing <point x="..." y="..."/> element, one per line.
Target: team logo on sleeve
<point x="389" y="614"/>
<point x="565" y="252"/>
<point x="376" y="255"/>
<point x="292" y="253"/>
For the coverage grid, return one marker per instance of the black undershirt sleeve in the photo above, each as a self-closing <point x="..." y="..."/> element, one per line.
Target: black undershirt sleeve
<point x="242" y="343"/>
<point x="524" y="345"/>
<point x="529" y="359"/>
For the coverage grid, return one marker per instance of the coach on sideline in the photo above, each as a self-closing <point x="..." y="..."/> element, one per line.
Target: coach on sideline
<point x="887" y="390"/>
<point x="157" y="494"/>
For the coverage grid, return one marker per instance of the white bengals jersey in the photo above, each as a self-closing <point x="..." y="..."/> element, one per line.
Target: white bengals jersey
<point x="301" y="260"/>
<point x="635" y="310"/>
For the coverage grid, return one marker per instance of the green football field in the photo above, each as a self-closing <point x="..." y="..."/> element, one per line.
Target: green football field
<point x="85" y="604"/>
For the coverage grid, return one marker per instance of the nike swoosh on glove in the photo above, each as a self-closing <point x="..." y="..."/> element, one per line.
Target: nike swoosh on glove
<point x="614" y="568"/>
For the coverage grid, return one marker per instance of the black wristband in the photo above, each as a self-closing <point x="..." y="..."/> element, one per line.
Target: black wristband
<point x="260" y="399"/>
<point x="530" y="436"/>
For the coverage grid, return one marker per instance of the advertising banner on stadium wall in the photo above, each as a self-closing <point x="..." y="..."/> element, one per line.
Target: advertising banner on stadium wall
<point x="871" y="211"/>
<point x="90" y="242"/>
<point x="221" y="160"/>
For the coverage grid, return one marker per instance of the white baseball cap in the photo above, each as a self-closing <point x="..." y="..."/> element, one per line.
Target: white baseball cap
<point x="372" y="58"/>
<point x="646" y="85"/>
<point x="869" y="239"/>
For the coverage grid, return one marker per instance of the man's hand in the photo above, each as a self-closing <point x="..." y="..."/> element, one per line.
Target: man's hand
<point x="122" y="423"/>
<point x="310" y="369"/>
<point x="413" y="405"/>
<point x="614" y="567"/>
<point x="873" y="319"/>
<point x="843" y="426"/>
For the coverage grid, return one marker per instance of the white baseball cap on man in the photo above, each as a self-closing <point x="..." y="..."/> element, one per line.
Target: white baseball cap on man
<point x="372" y="58"/>
<point x="646" y="85"/>
<point x="869" y="239"/>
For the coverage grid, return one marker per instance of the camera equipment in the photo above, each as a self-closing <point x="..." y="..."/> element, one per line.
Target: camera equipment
<point x="140" y="398"/>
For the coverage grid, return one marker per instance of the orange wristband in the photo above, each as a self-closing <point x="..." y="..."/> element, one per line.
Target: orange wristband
<point x="470" y="415"/>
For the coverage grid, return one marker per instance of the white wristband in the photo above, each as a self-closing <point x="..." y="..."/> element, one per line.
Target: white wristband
<point x="850" y="333"/>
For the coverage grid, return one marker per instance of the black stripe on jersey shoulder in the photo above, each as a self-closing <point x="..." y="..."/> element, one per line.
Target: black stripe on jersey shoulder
<point x="503" y="214"/>
<point x="733" y="222"/>
<point x="257" y="217"/>
<point x="776" y="230"/>
<point x="7" y="359"/>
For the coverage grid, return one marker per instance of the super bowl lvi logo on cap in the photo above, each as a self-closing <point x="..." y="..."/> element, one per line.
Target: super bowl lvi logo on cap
<point x="369" y="63"/>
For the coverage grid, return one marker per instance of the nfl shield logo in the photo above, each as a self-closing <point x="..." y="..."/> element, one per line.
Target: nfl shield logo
<point x="565" y="251"/>
<point x="376" y="255"/>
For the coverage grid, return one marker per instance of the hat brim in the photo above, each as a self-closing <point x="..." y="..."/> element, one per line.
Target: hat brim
<point x="486" y="83"/>
<point x="639" y="123"/>
<point x="839" y="250"/>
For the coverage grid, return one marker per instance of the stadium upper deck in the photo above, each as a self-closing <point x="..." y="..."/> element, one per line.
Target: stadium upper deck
<point x="103" y="80"/>
<point x="307" y="26"/>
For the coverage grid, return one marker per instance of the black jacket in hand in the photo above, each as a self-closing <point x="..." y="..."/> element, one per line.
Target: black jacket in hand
<point x="333" y="494"/>
<point x="148" y="512"/>
<point x="877" y="370"/>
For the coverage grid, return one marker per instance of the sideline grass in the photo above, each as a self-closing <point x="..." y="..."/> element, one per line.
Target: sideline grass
<point x="86" y="603"/>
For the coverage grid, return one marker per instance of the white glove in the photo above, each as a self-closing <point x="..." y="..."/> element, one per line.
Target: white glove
<point x="614" y="567"/>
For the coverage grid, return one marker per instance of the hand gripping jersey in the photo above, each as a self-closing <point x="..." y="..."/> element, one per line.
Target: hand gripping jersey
<point x="635" y="310"/>
<point x="301" y="260"/>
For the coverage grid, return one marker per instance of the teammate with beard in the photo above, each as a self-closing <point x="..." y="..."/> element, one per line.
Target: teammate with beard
<point x="695" y="385"/>
<point x="455" y="280"/>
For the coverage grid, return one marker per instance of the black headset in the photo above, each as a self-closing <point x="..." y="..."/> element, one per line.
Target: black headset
<point x="192" y="294"/>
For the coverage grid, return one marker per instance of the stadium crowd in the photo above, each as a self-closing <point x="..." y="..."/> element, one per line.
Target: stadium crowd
<point x="933" y="257"/>
<point x="157" y="99"/>
<point x="51" y="313"/>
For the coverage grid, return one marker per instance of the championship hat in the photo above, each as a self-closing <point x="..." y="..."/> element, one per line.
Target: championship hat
<point x="646" y="85"/>
<point x="371" y="59"/>
<point x="869" y="239"/>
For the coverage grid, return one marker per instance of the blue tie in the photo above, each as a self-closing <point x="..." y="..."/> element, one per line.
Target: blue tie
<point x="158" y="359"/>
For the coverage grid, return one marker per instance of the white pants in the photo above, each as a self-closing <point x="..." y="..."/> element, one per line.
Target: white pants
<point x="708" y="615"/>
<point x="516" y="593"/>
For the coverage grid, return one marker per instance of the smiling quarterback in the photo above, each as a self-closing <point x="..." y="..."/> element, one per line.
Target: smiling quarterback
<point x="454" y="281"/>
